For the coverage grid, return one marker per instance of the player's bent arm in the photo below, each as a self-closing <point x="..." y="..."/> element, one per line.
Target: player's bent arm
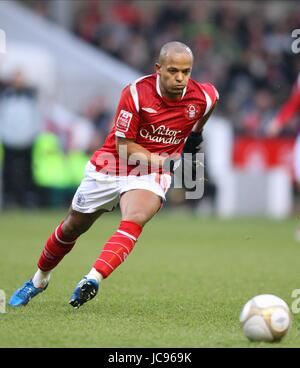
<point x="194" y="140"/>
<point x="127" y="147"/>
<point x="200" y="124"/>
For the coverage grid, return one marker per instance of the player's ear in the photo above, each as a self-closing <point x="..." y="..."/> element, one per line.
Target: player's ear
<point x="157" y="68"/>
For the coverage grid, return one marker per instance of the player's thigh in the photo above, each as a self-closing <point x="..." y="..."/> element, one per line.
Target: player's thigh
<point x="139" y="205"/>
<point x="77" y="223"/>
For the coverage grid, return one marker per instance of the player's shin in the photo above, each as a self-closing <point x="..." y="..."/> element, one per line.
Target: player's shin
<point x="118" y="248"/>
<point x="56" y="247"/>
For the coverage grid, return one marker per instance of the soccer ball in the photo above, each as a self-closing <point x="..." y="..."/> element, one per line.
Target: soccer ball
<point x="265" y="318"/>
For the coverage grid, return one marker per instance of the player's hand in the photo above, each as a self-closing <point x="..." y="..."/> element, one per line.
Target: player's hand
<point x="193" y="146"/>
<point x="193" y="143"/>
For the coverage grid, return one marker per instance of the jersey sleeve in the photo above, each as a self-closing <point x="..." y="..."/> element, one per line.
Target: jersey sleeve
<point x="126" y="121"/>
<point x="211" y="96"/>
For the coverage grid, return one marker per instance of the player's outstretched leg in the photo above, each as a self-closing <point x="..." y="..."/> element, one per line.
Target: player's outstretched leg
<point x="56" y="247"/>
<point x="137" y="207"/>
<point x="113" y="254"/>
<point x="60" y="243"/>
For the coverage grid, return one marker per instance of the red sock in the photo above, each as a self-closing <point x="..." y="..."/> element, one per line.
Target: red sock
<point x="118" y="248"/>
<point x="57" y="246"/>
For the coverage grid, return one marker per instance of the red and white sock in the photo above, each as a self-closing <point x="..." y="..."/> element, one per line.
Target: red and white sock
<point x="57" y="246"/>
<point x="117" y="248"/>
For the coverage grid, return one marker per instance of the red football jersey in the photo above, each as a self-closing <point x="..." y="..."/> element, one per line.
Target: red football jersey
<point x="159" y="124"/>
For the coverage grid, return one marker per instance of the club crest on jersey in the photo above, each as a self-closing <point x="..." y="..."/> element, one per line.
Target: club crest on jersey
<point x="192" y="111"/>
<point x="123" y="121"/>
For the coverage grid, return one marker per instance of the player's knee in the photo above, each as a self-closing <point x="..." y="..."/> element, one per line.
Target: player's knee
<point x="73" y="227"/>
<point x="138" y="217"/>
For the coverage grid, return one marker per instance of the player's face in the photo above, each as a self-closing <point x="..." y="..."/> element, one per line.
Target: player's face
<point x="174" y="73"/>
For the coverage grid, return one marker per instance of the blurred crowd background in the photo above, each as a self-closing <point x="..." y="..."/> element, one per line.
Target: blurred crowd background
<point x="242" y="47"/>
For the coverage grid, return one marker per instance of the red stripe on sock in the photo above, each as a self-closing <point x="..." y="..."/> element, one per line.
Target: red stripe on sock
<point x="117" y="248"/>
<point x="56" y="247"/>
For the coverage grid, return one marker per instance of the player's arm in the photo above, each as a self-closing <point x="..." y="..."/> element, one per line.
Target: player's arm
<point x="198" y="127"/>
<point x="128" y="147"/>
<point x="129" y="150"/>
<point x="194" y="140"/>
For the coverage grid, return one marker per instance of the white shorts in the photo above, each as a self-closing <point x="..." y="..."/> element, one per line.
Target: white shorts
<point x="100" y="191"/>
<point x="297" y="158"/>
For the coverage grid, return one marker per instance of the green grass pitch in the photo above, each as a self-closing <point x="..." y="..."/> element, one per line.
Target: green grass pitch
<point x="183" y="286"/>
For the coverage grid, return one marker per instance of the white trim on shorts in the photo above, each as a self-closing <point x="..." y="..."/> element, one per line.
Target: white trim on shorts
<point x="99" y="191"/>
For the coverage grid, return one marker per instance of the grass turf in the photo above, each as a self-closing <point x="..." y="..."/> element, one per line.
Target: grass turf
<point x="183" y="286"/>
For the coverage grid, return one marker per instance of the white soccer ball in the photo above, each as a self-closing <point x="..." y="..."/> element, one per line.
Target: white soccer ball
<point x="265" y="318"/>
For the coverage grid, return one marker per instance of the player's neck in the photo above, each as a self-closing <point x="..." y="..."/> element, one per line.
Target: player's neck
<point x="169" y="96"/>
